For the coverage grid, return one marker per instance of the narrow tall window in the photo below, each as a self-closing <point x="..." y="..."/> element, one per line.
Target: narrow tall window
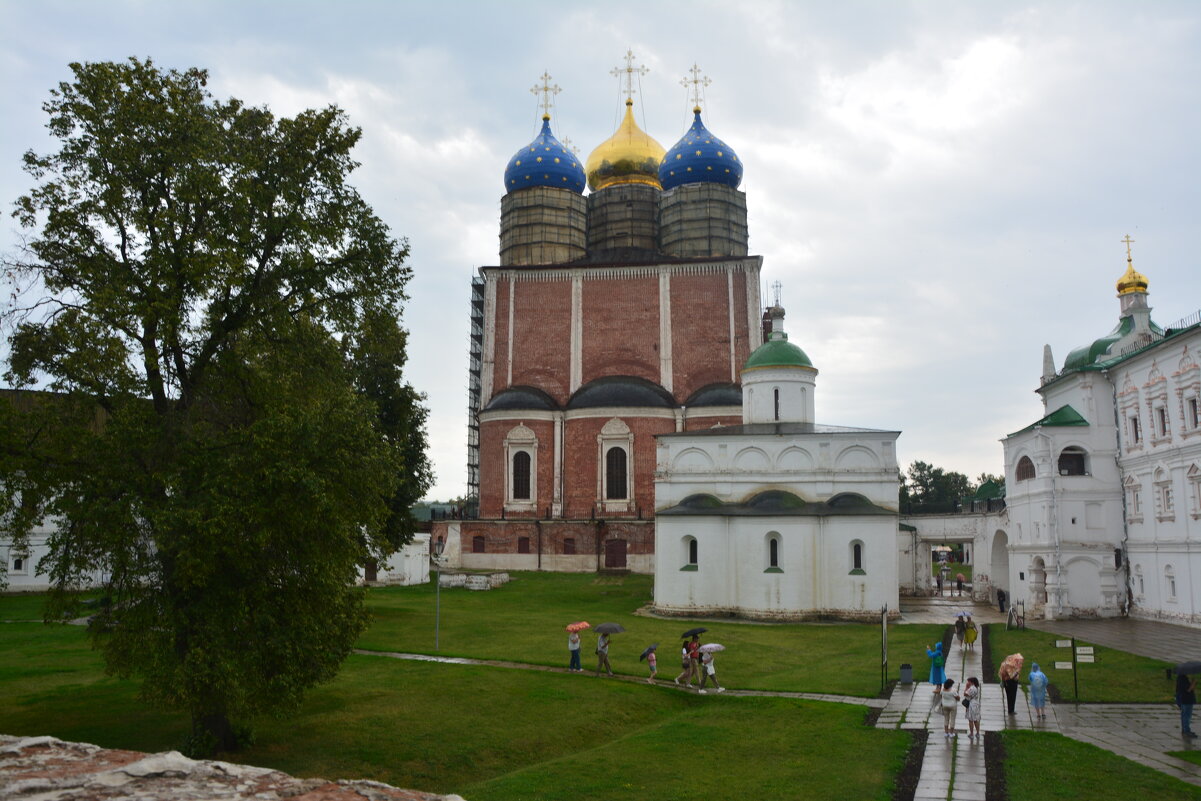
<point x="1136" y="434"/>
<point x="692" y="551"/>
<point x="857" y="554"/>
<point x="1161" y="418"/>
<point x="521" y="476"/>
<point x="773" y="555"/>
<point x="777" y="402"/>
<point x="615" y="474"/>
<point x="1192" y="413"/>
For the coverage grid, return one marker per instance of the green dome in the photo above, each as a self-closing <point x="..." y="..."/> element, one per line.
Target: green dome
<point x="777" y="353"/>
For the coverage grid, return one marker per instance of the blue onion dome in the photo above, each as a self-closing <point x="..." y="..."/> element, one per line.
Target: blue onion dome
<point x="544" y="162"/>
<point x="700" y="157"/>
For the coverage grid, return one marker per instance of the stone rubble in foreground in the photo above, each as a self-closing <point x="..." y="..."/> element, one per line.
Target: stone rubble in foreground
<point x="48" y="769"/>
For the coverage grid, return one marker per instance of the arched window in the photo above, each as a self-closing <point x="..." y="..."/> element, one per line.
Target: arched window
<point x="857" y="558"/>
<point x="1025" y="469"/>
<point x="521" y="476"/>
<point x="615" y="474"/>
<point x="777" y="402"/>
<point x="1073" y="461"/>
<point x="1170" y="578"/>
<point x="692" y="548"/>
<point x="773" y="552"/>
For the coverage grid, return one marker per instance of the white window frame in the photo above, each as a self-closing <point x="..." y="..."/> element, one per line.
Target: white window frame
<point x="1134" y="510"/>
<point x="1165" y="508"/>
<point x="521" y="439"/>
<point x="615" y="434"/>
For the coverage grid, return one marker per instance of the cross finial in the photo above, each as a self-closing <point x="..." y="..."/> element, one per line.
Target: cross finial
<point x="698" y="82"/>
<point x="567" y="143"/>
<point x="629" y="70"/>
<point x="1129" y="258"/>
<point x="548" y="93"/>
<point x="775" y="289"/>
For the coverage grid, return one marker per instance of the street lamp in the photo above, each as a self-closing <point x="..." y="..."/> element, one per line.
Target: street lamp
<point x="438" y="588"/>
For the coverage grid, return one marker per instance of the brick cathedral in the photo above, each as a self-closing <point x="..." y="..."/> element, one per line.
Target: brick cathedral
<point x="612" y="316"/>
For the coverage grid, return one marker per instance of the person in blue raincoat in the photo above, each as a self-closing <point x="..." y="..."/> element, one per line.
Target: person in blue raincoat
<point x="937" y="674"/>
<point x="1038" y="690"/>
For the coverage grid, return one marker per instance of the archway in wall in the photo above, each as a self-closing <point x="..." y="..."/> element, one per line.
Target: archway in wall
<point x="999" y="565"/>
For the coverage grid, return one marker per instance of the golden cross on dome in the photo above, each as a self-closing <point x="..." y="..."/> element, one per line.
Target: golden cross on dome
<point x="698" y="83"/>
<point x="548" y="93"/>
<point x="1128" y="240"/>
<point x="629" y="71"/>
<point x="567" y="143"/>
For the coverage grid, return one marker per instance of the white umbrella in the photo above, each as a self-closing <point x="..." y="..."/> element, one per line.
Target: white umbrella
<point x="711" y="647"/>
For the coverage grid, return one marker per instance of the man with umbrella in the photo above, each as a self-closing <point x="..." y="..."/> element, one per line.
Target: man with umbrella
<point x="1186" y="695"/>
<point x="602" y="645"/>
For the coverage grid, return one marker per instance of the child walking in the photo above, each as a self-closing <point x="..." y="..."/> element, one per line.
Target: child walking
<point x="652" y="662"/>
<point x="709" y="672"/>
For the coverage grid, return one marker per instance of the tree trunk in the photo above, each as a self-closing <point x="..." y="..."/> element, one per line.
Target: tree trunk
<point x="222" y="731"/>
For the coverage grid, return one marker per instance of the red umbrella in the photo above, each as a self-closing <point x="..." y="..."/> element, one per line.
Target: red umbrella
<point x="583" y="624"/>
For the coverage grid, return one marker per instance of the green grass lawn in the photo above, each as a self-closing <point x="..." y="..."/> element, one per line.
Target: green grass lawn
<point x="1050" y="767"/>
<point x="523" y="621"/>
<point x="1116" y="676"/>
<point x="954" y="568"/>
<point x="488" y="733"/>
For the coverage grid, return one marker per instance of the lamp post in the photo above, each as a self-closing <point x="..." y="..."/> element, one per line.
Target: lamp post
<point x="438" y="589"/>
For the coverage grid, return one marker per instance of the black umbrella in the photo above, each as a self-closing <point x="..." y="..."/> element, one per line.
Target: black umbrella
<point x="694" y="632"/>
<point x="609" y="628"/>
<point x="1188" y="668"/>
<point x="647" y="651"/>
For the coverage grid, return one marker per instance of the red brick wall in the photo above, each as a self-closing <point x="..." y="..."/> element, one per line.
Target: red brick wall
<point x="542" y="336"/>
<point x="581" y="463"/>
<point x="492" y="466"/>
<point x="621" y="328"/>
<point x="700" y="331"/>
<point x="501" y="536"/>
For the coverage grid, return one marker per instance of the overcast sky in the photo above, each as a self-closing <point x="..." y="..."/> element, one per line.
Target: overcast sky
<point x="940" y="187"/>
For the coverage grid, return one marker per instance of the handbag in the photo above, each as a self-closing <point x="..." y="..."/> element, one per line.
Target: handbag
<point x="967" y="703"/>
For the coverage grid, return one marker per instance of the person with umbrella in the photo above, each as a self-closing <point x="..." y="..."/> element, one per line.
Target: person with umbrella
<point x="706" y="665"/>
<point x="573" y="645"/>
<point x="685" y="664"/>
<point x="652" y="661"/>
<point x="970" y="633"/>
<point x="692" y="650"/>
<point x="1186" y="695"/>
<point x="1011" y="666"/>
<point x="960" y="628"/>
<point x="602" y="645"/>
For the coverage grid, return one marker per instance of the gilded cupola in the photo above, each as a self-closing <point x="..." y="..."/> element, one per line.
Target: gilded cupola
<point x="630" y="156"/>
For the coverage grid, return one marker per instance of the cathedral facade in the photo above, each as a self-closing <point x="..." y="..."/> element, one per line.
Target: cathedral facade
<point x="613" y="316"/>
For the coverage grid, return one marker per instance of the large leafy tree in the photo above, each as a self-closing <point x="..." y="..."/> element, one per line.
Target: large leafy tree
<point x="932" y="489"/>
<point x="227" y="435"/>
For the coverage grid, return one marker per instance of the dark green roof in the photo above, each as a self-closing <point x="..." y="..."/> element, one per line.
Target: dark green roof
<point x="776" y="503"/>
<point x="990" y="489"/>
<point x="777" y="353"/>
<point x="1063" y="416"/>
<point x="1089" y="355"/>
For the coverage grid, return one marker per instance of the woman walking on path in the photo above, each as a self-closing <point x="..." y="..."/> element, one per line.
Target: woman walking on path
<point x="709" y="672"/>
<point x="937" y="674"/>
<point x="960" y="629"/>
<point x="573" y="648"/>
<point x="1010" y="668"/>
<point x="686" y="663"/>
<point x="970" y="633"/>
<point x="602" y="654"/>
<point x="949" y="701"/>
<point x="1038" y="690"/>
<point x="971" y="696"/>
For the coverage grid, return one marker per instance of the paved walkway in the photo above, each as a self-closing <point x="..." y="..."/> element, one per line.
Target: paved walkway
<point x="1149" y="638"/>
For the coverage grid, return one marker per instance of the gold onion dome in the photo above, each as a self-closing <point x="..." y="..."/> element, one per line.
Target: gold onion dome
<point x="630" y="156"/>
<point x="1132" y="280"/>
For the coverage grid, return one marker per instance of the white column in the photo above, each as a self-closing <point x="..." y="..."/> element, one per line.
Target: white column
<point x="577" y="331"/>
<point x="665" y="366"/>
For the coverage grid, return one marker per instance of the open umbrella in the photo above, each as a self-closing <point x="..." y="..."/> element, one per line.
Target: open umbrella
<point x="610" y="628"/>
<point x="649" y="648"/>
<point x="694" y="632"/>
<point x="711" y="648"/>
<point x="583" y="624"/>
<point x="960" y="577"/>
<point x="1188" y="668"/>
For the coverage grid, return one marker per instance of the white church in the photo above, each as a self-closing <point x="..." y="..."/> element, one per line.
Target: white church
<point x="781" y="517"/>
